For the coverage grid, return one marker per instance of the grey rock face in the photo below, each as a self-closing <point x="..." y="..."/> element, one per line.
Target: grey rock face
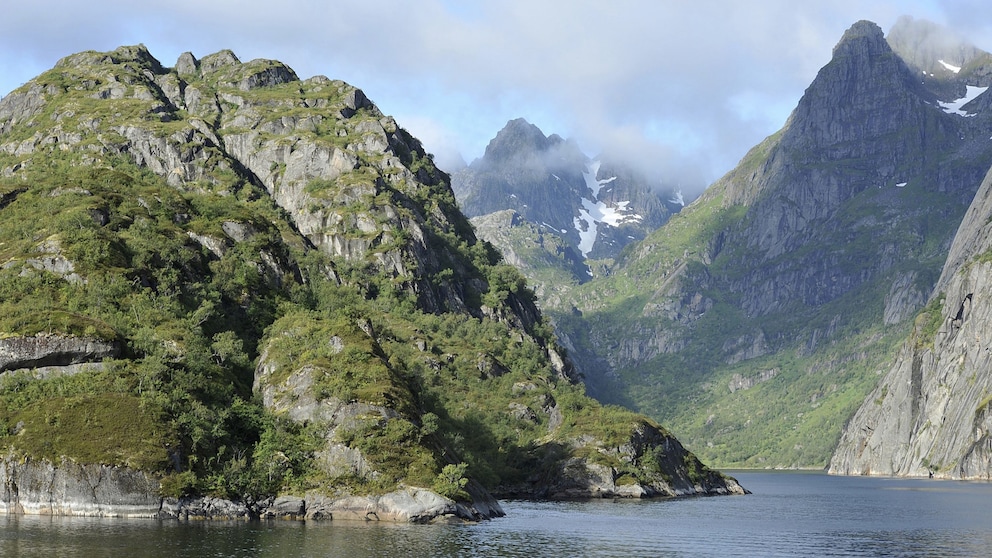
<point x="52" y="350"/>
<point x="865" y="128"/>
<point x="905" y="298"/>
<point x="90" y="490"/>
<point x="43" y="488"/>
<point x="187" y="65"/>
<point x="931" y="412"/>
<point x="833" y="149"/>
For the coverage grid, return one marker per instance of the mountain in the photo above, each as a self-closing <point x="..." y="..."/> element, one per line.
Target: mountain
<point x="756" y="320"/>
<point x="945" y="61"/>
<point x="930" y="414"/>
<point x="575" y="210"/>
<point x="230" y="292"/>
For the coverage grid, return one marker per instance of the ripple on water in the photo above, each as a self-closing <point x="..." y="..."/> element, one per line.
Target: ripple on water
<point x="788" y="514"/>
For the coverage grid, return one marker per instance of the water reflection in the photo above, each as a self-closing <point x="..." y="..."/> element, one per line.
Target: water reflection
<point x="787" y="515"/>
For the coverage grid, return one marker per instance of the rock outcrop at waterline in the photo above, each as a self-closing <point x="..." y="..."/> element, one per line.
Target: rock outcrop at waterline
<point x="72" y="489"/>
<point x="932" y="412"/>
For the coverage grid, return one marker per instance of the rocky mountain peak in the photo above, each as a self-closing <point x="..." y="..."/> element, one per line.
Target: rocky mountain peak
<point x="285" y="252"/>
<point x="518" y="138"/>
<point x="133" y="53"/>
<point x="860" y="36"/>
<point x="865" y="95"/>
<point x="863" y="91"/>
<point x="840" y="220"/>
<point x="217" y="60"/>
<point x="187" y="64"/>
<point x="596" y="207"/>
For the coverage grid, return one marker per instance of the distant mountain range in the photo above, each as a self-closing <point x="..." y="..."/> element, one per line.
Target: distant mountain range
<point x="597" y="206"/>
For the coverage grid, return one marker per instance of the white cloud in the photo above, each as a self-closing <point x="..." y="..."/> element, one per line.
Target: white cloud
<point x="687" y="87"/>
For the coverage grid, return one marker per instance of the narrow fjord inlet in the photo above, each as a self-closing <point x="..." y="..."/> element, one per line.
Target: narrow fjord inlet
<point x="246" y="311"/>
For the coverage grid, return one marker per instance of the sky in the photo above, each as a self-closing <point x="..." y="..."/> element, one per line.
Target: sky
<point x="682" y="89"/>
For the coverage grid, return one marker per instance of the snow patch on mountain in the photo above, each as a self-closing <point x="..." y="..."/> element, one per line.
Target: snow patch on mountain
<point x="950" y="67"/>
<point x="954" y="107"/>
<point x="594" y="212"/>
<point x="678" y="199"/>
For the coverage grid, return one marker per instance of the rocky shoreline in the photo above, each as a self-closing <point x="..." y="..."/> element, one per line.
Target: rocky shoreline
<point x="35" y="487"/>
<point x="32" y="487"/>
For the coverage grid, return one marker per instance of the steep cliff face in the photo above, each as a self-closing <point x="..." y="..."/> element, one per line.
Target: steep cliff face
<point x="38" y="351"/>
<point x="69" y="488"/>
<point x="931" y="411"/>
<point x="864" y="132"/>
<point x="175" y="241"/>
<point x="802" y="265"/>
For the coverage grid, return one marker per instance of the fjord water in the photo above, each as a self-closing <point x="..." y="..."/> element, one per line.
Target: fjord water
<point x="788" y="514"/>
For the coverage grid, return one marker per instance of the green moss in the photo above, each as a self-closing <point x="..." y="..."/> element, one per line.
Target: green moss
<point x="111" y="429"/>
<point x="928" y="321"/>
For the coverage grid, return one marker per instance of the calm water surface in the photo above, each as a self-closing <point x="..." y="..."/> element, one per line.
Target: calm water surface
<point x="788" y="514"/>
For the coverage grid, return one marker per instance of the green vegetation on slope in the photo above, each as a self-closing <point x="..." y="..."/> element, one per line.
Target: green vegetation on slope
<point x="129" y="219"/>
<point x="179" y="395"/>
<point x="178" y="399"/>
<point x="758" y="366"/>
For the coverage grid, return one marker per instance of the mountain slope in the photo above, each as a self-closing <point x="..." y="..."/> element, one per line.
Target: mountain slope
<point x="228" y="282"/>
<point x="755" y="321"/>
<point x="550" y="265"/>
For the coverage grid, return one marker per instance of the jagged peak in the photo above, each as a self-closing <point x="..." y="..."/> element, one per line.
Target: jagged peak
<point x="523" y="143"/>
<point x="134" y="53"/>
<point x="864" y="76"/>
<point x="187" y="64"/>
<point x="220" y="59"/>
<point x="229" y="69"/>
<point x="518" y="136"/>
<point x="223" y="66"/>
<point x="863" y="32"/>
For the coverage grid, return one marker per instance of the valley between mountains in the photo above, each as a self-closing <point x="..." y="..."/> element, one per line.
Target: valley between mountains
<point x="229" y="292"/>
<point x="758" y="318"/>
